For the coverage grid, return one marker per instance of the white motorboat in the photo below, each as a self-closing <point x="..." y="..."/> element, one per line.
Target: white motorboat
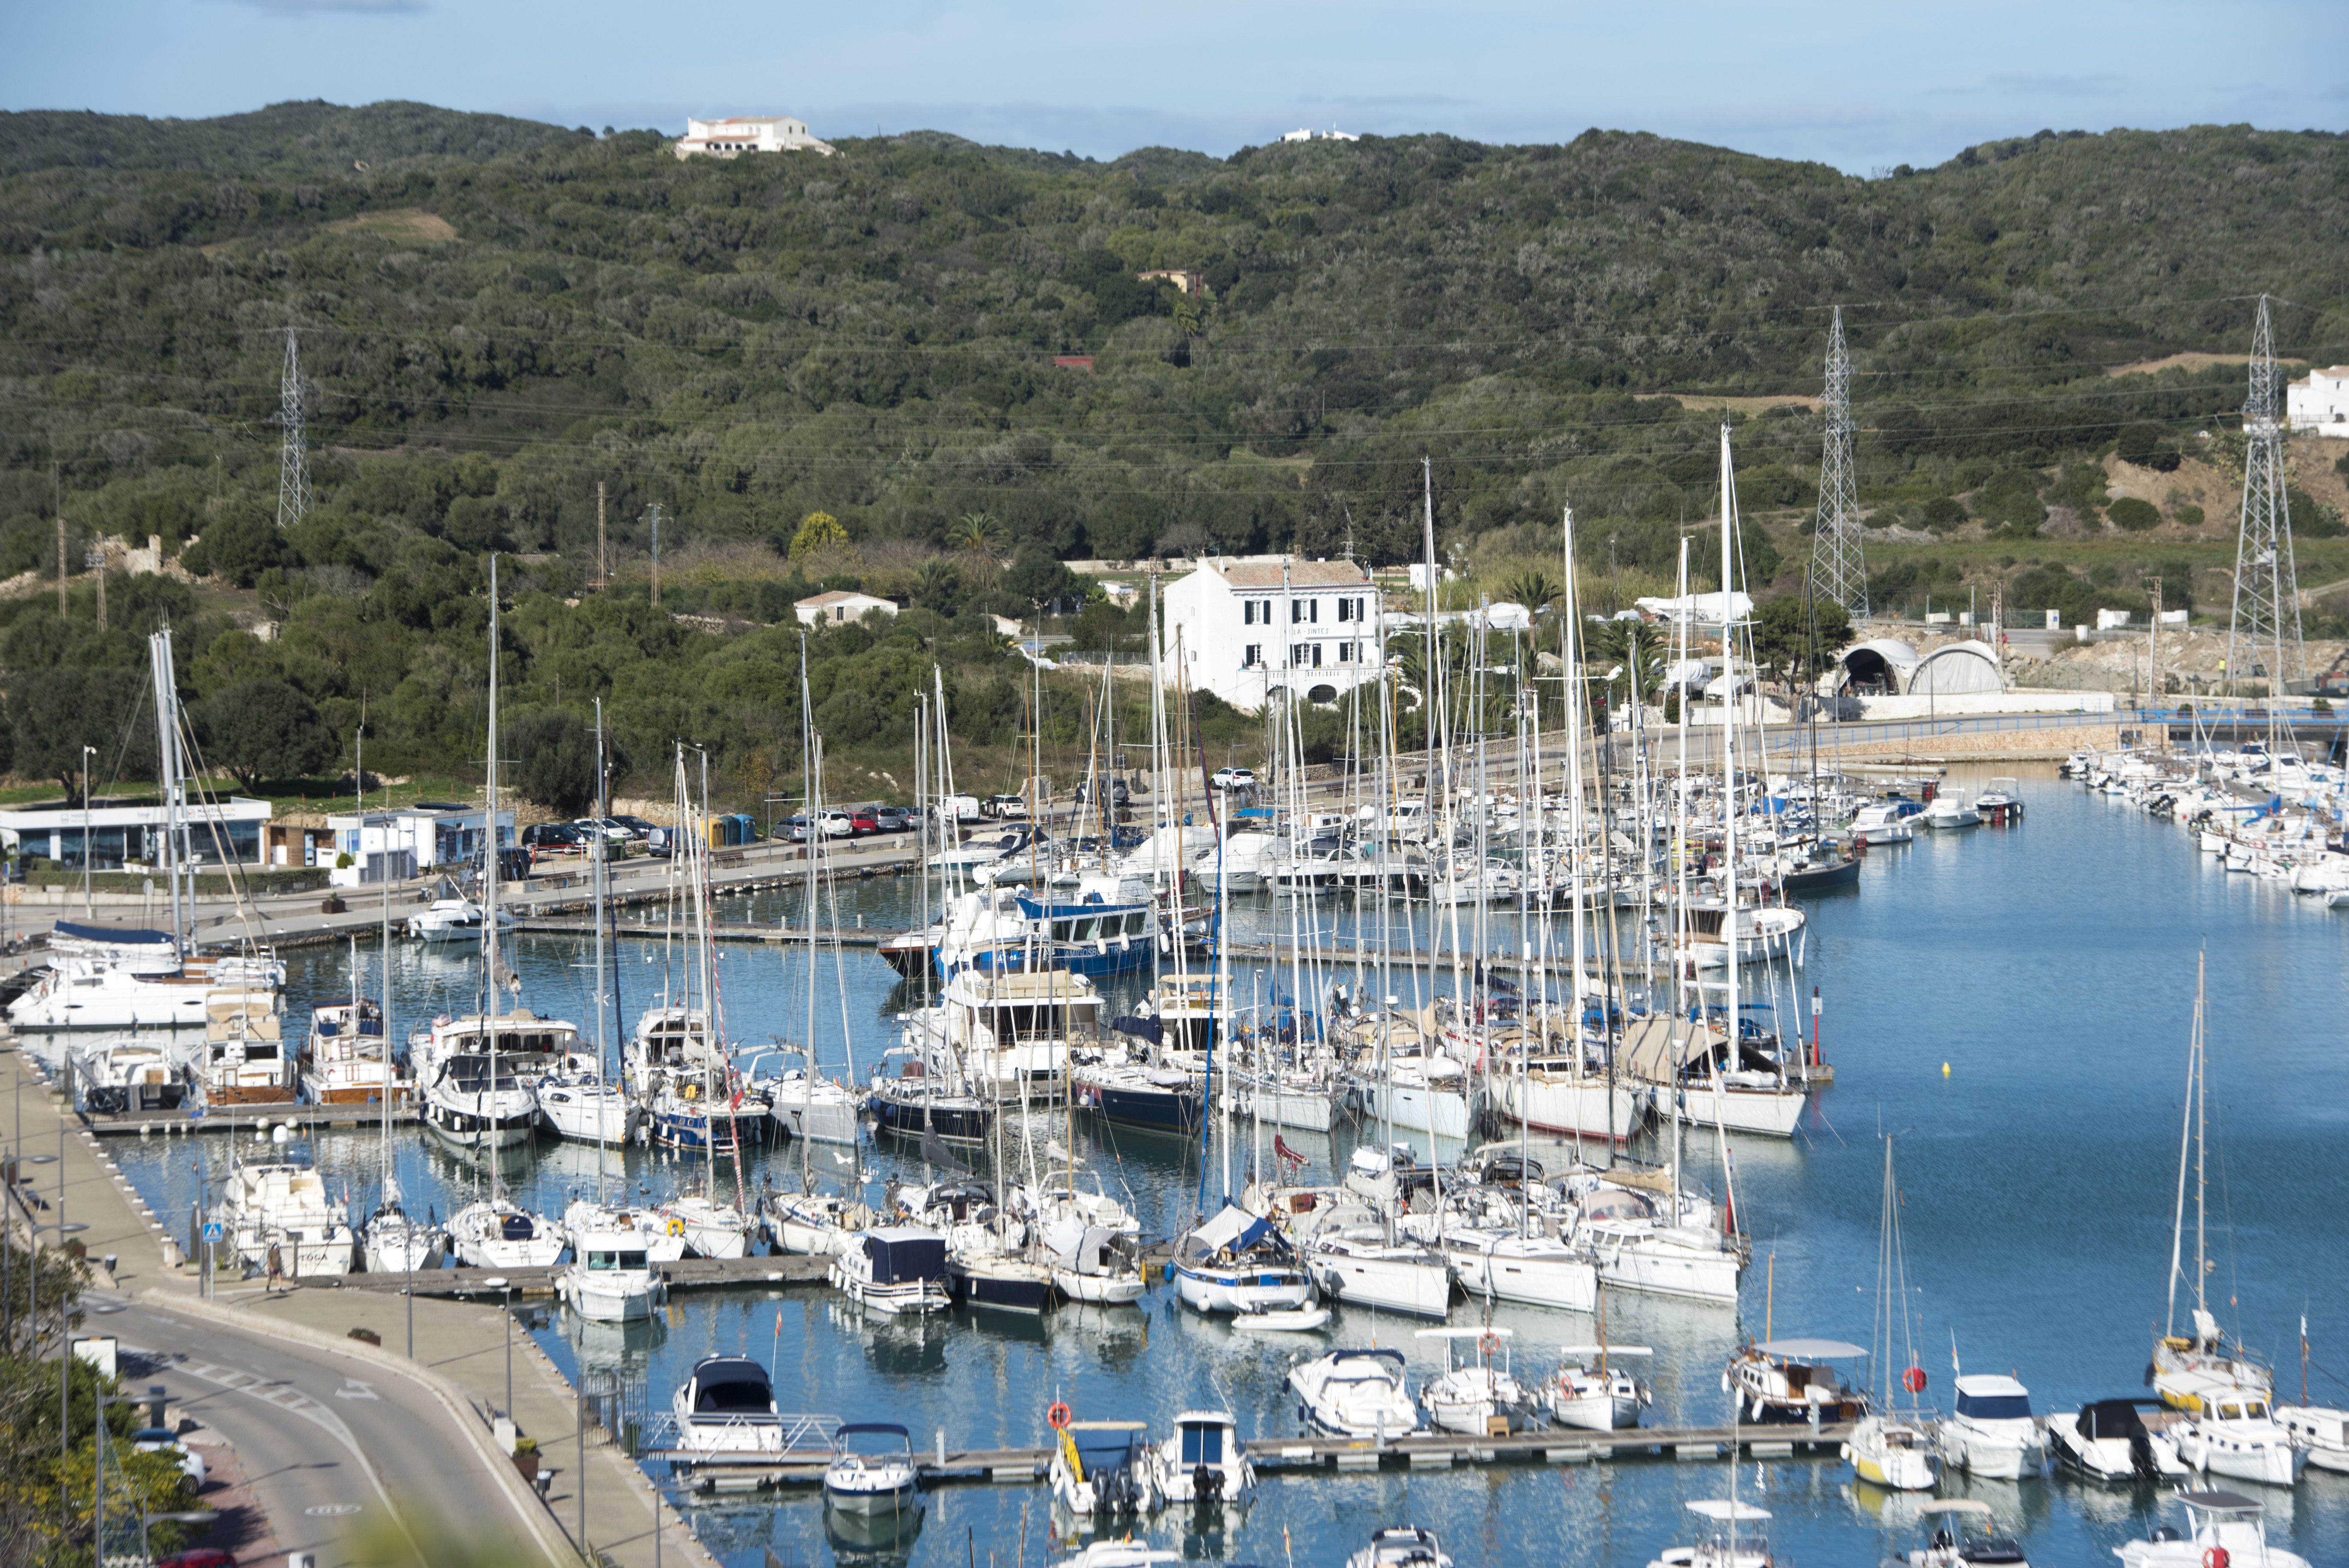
<point x="1124" y="1554"/>
<point x="1732" y="1536"/>
<point x="2001" y="802"/>
<point x="727" y="1405"/>
<point x="1959" y="1533"/>
<point x="1356" y="1394"/>
<point x="895" y="1269"/>
<point x="2324" y="1432"/>
<point x="453" y="918"/>
<point x="1401" y="1546"/>
<point x="138" y="1074"/>
<point x="495" y="1234"/>
<point x="2223" y="1530"/>
<point x="1949" y="810"/>
<point x="1235" y="1262"/>
<point x="2241" y="1440"/>
<point x="1359" y="1268"/>
<point x="1993" y="1433"/>
<point x="1480" y="1399"/>
<point x="1203" y="1461"/>
<point x="1281" y="1320"/>
<point x="2119" y="1440"/>
<point x="121" y="977"/>
<point x="345" y="1060"/>
<point x="872" y="1469"/>
<point x="1098" y="1470"/>
<point x="286" y="1206"/>
<point x="1596" y="1397"/>
<point x="481" y="1075"/>
<point x="612" y="1278"/>
<point x="1886" y="821"/>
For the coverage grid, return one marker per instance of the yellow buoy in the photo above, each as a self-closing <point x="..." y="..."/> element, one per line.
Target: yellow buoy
<point x="1945" y="1069"/>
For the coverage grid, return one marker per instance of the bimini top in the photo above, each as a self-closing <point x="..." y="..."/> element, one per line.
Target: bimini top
<point x="730" y="1386"/>
<point x="1809" y="1349"/>
<point x="1722" y="1510"/>
<point x="902" y="1254"/>
<point x="2221" y="1502"/>
<point x="1953" y="1505"/>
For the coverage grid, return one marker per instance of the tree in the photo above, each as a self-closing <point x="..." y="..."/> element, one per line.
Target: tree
<point x="936" y="585"/>
<point x="1531" y="588"/>
<point x="1037" y="575"/>
<point x="820" y="533"/>
<point x="975" y="534"/>
<point x="240" y="547"/>
<point x="263" y="729"/>
<point x="67" y="709"/>
<point x="1798" y="632"/>
<point x="2142" y="445"/>
<point x="556" y="754"/>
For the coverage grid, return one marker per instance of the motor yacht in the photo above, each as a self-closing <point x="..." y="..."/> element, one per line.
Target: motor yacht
<point x="1098" y="1470"/>
<point x="2223" y="1530"/>
<point x="895" y="1269"/>
<point x="287" y="1206"/>
<point x="1993" y="1433"/>
<point x="872" y="1469"/>
<point x="131" y="1075"/>
<point x="1960" y="1533"/>
<point x="452" y="917"/>
<point x="726" y="1406"/>
<point x="345" y="1060"/>
<point x="612" y="1278"/>
<point x="1950" y="810"/>
<point x="1794" y="1380"/>
<point x="1203" y="1461"/>
<point x="1730" y="1535"/>
<point x="1356" y="1394"/>
<point x="580" y="1104"/>
<point x="2118" y="1440"/>
<point x="1400" y="1546"/>
<point x="2240" y="1438"/>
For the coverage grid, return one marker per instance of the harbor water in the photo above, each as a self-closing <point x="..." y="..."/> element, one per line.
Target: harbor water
<point x="2012" y="1002"/>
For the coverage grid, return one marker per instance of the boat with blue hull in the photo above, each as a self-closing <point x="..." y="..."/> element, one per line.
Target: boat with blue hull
<point x="1094" y="939"/>
<point x="1152" y="1099"/>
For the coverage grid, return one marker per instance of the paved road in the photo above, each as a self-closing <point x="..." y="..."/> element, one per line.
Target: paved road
<point x="331" y="1444"/>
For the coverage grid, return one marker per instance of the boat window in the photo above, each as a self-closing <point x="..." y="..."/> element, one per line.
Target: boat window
<point x="632" y="1260"/>
<point x="600" y="1261"/>
<point x="1994" y="1407"/>
<point x="1133" y="923"/>
<point x="2257" y="1412"/>
<point x="1082" y="930"/>
<point x="728" y="1398"/>
<point x="1203" y="1445"/>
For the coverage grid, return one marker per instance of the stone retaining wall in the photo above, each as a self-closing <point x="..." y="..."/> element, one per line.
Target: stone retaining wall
<point x="1986" y="746"/>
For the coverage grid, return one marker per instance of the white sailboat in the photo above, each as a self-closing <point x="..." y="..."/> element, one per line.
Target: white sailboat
<point x="1892" y="1448"/>
<point x="1479" y="1398"/>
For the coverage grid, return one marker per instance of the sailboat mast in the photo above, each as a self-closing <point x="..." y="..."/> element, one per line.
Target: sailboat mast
<point x="2201" y="1126"/>
<point x="1728" y="763"/>
<point x="2184" y="1137"/>
<point x="490" y="869"/>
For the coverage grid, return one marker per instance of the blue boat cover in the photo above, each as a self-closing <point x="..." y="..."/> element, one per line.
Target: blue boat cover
<point x="123" y="935"/>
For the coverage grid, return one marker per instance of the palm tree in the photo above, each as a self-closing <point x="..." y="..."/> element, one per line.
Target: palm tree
<point x="975" y="533"/>
<point x="937" y="582"/>
<point x="1531" y="588"/>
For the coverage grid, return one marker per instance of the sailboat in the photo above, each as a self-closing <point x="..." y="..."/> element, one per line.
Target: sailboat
<point x="2230" y="1428"/>
<point x="394" y="1241"/>
<point x="579" y="1100"/>
<point x="1888" y="1447"/>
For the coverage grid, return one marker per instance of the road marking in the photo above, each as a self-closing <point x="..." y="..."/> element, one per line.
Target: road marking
<point x="353" y="1388"/>
<point x="332" y="1509"/>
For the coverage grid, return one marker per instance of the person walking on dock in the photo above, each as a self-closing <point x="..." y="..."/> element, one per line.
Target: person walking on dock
<point x="276" y="1270"/>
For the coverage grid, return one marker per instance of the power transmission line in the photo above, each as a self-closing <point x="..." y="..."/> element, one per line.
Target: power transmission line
<point x="1838" y="570"/>
<point x="2265" y="627"/>
<point x="294" y="460"/>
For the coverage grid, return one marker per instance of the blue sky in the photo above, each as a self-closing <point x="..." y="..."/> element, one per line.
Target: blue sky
<point x="1857" y="85"/>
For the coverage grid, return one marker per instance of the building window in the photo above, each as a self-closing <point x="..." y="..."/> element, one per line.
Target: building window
<point x="1296" y="612"/>
<point x="1296" y="659"/>
<point x="1316" y="655"/>
<point x="1252" y="655"/>
<point x="1345" y="653"/>
<point x="1345" y="610"/>
<point x="1313" y="611"/>
<point x="1248" y="612"/>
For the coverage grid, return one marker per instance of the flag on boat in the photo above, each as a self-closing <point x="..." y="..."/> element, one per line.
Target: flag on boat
<point x="1280" y="1147"/>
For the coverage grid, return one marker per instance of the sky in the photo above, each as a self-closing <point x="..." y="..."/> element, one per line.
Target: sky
<point x="1861" y="87"/>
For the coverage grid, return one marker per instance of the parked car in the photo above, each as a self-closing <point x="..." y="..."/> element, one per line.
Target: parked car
<point x="544" y="836"/>
<point x="660" y="841"/>
<point x="637" y="826"/>
<point x="791" y="830"/>
<point x="891" y="820"/>
<point x="863" y="820"/>
<point x="163" y="1441"/>
<point x="1234" y="779"/>
<point x="1118" y="793"/>
<point x="837" y="825"/>
<point x="1007" y="806"/>
<point x="606" y="827"/>
<point x="963" y="809"/>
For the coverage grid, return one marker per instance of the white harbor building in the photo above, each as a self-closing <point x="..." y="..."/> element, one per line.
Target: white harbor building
<point x="1263" y="623"/>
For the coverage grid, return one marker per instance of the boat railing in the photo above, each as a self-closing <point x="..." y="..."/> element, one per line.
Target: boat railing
<point x="796" y="1433"/>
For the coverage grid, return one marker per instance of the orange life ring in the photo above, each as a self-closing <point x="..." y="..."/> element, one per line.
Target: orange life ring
<point x="1488" y="1343"/>
<point x="2215" y="1558"/>
<point x="1058" y="1416"/>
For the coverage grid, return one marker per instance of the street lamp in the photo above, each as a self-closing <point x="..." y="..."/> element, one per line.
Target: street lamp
<point x="8" y="1238"/>
<point x="500" y="1284"/>
<point x="87" y="753"/>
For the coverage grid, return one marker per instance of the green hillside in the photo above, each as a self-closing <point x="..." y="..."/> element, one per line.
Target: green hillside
<point x="495" y="316"/>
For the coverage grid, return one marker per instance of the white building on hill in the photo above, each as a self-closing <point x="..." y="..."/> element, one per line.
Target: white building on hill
<point x="838" y="608"/>
<point x="2320" y="405"/>
<point x="1251" y="627"/>
<point x="748" y="133"/>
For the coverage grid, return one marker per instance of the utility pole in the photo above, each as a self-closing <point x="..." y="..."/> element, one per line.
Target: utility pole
<point x="57" y="484"/>
<point x="294" y="455"/>
<point x="603" y="550"/>
<point x="93" y="559"/>
<point x="2266" y="620"/>
<point x="2153" y="645"/>
<point x="656" y="555"/>
<point x="1837" y="570"/>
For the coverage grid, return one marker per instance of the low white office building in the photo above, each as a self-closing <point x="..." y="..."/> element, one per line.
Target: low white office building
<point x="2320" y="405"/>
<point x="129" y="835"/>
<point x="411" y="841"/>
<point x="1253" y="626"/>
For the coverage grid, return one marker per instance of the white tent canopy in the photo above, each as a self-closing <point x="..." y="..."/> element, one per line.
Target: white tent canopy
<point x="1958" y="669"/>
<point x="1695" y="609"/>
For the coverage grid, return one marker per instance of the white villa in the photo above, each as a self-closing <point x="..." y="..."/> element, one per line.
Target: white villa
<point x="2320" y="405"/>
<point x="1264" y="624"/>
<point x="838" y="608"/>
<point x="748" y="133"/>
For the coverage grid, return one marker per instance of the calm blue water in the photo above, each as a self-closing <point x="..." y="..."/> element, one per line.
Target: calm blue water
<point x="2050" y="966"/>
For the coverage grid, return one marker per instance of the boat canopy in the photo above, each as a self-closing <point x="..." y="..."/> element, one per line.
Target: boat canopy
<point x="1956" y="669"/>
<point x="1810" y="1349"/>
<point x="1231" y="1226"/>
<point x="730" y="1386"/>
<point x="1954" y="1505"/>
<point x="117" y="935"/>
<point x="1722" y="1509"/>
<point x="2221" y="1502"/>
<point x="1650" y="1053"/>
<point x="2113" y="1417"/>
<point x="901" y="1255"/>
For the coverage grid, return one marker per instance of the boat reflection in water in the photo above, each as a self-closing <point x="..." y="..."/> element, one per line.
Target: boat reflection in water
<point x="881" y="1539"/>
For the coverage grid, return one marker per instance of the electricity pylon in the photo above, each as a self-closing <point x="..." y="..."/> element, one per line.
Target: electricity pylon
<point x="1837" y="570"/>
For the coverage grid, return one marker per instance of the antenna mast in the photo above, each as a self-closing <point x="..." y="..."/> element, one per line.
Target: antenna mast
<point x="2265" y="630"/>
<point x="1838" y="571"/>
<point x="294" y="460"/>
